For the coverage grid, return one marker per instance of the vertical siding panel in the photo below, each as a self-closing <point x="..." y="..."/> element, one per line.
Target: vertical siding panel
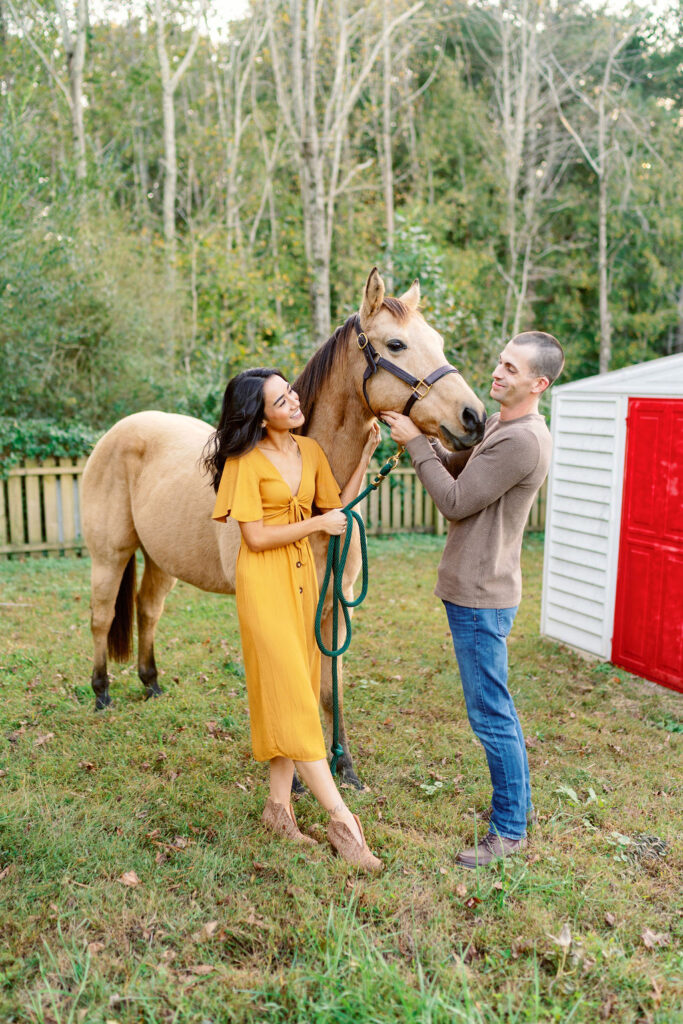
<point x="68" y="505"/>
<point x="51" y="504"/>
<point x="4" y="539"/>
<point x="418" y="503"/>
<point x="409" y="480"/>
<point x="34" y="519"/>
<point x="16" y="510"/>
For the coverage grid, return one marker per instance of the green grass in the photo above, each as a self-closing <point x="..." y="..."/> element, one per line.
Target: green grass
<point x="228" y="924"/>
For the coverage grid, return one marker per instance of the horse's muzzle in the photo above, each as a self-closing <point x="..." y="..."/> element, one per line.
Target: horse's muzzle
<point x="474" y="431"/>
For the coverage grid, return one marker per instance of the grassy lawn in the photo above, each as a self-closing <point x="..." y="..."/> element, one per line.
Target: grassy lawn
<point x="222" y="923"/>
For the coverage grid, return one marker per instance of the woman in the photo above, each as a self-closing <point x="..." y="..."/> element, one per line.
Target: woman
<point x="268" y="480"/>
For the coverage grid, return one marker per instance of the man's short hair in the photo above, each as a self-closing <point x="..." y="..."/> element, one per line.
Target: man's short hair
<point x="548" y="357"/>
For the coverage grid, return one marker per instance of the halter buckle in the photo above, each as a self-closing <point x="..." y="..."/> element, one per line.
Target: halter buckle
<point x="362" y="334"/>
<point x="422" y="394"/>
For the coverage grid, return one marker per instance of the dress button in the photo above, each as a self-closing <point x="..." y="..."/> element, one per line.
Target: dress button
<point x="298" y="565"/>
<point x="301" y="590"/>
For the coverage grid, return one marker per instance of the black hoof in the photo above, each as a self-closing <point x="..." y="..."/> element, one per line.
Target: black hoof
<point x="348" y="777"/>
<point x="297" y="785"/>
<point x="154" y="690"/>
<point x="102" y="701"/>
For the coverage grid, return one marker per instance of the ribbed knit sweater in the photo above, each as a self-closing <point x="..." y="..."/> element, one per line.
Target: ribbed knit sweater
<point x="486" y="494"/>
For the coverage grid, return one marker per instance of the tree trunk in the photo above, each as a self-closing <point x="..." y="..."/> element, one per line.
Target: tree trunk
<point x="74" y="48"/>
<point x="678" y="339"/>
<point x="605" y="322"/>
<point x="387" y="156"/>
<point x="169" y="84"/>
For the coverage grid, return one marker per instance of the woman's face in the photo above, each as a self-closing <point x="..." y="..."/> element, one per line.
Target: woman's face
<point x="281" y="408"/>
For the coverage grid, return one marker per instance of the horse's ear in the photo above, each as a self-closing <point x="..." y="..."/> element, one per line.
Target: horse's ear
<point x="373" y="296"/>
<point x="412" y="297"/>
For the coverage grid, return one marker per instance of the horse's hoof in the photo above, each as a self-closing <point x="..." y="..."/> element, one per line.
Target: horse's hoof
<point x="297" y="785"/>
<point x="102" y="701"/>
<point x="154" y="690"/>
<point x="348" y="777"/>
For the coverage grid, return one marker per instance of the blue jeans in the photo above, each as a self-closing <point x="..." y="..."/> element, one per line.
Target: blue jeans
<point x="480" y="642"/>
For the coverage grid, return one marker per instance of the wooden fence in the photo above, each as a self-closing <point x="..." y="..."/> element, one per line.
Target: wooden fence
<point x="40" y="508"/>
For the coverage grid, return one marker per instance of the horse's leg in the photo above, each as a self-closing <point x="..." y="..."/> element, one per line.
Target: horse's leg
<point x="107" y="578"/>
<point x="345" y="769"/>
<point x="156" y="584"/>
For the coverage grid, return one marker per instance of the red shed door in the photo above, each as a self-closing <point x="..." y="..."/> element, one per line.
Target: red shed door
<point x="648" y="618"/>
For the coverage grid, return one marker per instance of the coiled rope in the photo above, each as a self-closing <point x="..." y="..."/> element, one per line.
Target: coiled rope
<point x="334" y="571"/>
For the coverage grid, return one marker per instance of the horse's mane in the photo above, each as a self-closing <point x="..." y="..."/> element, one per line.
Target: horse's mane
<point x="319" y="367"/>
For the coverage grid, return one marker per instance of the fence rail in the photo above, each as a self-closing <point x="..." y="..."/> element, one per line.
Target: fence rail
<point x="40" y="508"/>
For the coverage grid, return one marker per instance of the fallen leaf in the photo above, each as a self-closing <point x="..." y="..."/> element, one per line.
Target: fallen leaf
<point x="657" y="992"/>
<point x="40" y="741"/>
<point x="610" y="919"/>
<point x="3" y="773"/>
<point x="564" y="939"/>
<point x="129" y="878"/>
<point x="95" y="947"/>
<point x="498" y="885"/>
<point x="87" y="766"/>
<point x="5" y="872"/>
<point x="472" y="902"/>
<point x="205" y="932"/>
<point x="607" y="1007"/>
<point x="461" y="890"/>
<point x="653" y="939"/>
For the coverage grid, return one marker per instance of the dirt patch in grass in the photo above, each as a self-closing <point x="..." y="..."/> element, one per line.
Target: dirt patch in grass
<point x="136" y="884"/>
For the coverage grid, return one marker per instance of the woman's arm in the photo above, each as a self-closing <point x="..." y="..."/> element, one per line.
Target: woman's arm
<point x="355" y="481"/>
<point x="259" y="537"/>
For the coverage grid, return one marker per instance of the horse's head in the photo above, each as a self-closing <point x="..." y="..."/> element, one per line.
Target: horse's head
<point x="400" y="336"/>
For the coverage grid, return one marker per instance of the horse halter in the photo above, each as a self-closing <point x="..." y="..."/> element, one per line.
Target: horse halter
<point x="421" y="386"/>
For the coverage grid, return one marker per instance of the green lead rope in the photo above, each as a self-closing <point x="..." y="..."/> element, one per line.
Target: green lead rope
<point x="334" y="570"/>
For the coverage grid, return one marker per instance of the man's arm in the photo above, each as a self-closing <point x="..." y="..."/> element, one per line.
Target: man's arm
<point x="454" y="462"/>
<point x="498" y="467"/>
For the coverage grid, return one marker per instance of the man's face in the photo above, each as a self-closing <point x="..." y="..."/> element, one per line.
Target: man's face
<point x="513" y="381"/>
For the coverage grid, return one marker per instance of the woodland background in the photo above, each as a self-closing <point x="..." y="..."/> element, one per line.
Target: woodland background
<point x="182" y="196"/>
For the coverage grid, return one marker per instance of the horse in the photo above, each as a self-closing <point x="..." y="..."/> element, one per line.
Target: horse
<point x="143" y="488"/>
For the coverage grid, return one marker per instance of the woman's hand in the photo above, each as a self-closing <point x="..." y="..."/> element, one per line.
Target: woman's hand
<point x="374" y="438"/>
<point x="332" y="523"/>
<point x="402" y="427"/>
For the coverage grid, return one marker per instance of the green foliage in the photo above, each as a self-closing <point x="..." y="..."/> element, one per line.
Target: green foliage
<point x="39" y="439"/>
<point x="88" y="327"/>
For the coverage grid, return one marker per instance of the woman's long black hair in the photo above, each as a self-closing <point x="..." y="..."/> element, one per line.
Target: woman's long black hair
<point x="240" y="427"/>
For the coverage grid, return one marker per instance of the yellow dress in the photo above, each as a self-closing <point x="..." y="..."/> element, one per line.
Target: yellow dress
<point x="277" y="594"/>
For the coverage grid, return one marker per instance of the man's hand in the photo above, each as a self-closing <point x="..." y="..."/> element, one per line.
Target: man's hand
<point x="402" y="427"/>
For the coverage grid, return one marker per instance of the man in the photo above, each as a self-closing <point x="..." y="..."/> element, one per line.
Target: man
<point x="486" y="495"/>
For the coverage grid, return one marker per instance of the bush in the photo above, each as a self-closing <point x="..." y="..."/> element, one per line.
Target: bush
<point x="40" y="439"/>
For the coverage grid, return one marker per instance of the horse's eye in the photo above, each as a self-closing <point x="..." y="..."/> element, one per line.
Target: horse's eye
<point x="395" y="345"/>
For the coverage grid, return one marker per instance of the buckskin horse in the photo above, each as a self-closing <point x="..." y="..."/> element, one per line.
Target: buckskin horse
<point x="143" y="488"/>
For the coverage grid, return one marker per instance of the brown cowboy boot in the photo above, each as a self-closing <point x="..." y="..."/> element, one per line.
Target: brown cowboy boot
<point x="348" y="847"/>
<point x="281" y="820"/>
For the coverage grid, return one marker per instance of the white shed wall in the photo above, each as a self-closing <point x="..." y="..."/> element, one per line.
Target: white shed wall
<point x="582" y="521"/>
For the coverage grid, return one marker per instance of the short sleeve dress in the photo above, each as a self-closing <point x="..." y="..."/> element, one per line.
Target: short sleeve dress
<point x="277" y="594"/>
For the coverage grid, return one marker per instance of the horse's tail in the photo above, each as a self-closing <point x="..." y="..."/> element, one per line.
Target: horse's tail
<point x="120" y="637"/>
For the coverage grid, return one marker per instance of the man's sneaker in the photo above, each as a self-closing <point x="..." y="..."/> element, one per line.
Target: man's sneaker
<point x="490" y="848"/>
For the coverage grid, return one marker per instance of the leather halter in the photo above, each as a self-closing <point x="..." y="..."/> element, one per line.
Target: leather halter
<point x="420" y="386"/>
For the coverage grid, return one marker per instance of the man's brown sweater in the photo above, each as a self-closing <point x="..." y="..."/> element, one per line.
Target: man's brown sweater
<point x="486" y="494"/>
